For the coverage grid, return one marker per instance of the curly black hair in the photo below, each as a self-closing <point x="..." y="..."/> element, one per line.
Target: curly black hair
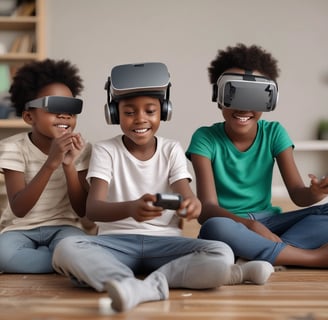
<point x="33" y="76"/>
<point x="247" y="58"/>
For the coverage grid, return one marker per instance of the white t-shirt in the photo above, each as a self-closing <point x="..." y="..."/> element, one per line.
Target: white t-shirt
<point x="130" y="178"/>
<point x="53" y="207"/>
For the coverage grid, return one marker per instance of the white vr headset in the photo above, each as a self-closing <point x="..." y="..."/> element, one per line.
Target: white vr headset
<point x="245" y="92"/>
<point x="132" y="80"/>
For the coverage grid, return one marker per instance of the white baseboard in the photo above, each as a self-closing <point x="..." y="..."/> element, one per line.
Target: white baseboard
<point x="279" y="192"/>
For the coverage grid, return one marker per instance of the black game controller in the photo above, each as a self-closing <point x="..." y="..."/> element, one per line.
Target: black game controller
<point x="171" y="201"/>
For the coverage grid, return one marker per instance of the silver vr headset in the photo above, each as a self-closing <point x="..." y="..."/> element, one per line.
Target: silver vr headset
<point x="245" y="92"/>
<point x="131" y="80"/>
<point x="57" y="104"/>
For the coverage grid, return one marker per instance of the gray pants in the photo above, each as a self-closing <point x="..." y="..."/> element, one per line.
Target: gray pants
<point x="185" y="262"/>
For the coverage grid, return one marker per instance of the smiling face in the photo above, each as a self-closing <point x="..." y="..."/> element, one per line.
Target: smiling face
<point x="139" y="120"/>
<point x="241" y="123"/>
<point x="45" y="125"/>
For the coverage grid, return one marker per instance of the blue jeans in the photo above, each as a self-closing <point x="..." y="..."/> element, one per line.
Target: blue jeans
<point x="305" y="228"/>
<point x="186" y="262"/>
<point x="30" y="251"/>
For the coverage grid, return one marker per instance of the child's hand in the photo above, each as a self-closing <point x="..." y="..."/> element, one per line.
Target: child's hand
<point x="58" y="149"/>
<point x="77" y="144"/>
<point x="319" y="186"/>
<point x="190" y="208"/>
<point x="143" y="208"/>
<point x="64" y="150"/>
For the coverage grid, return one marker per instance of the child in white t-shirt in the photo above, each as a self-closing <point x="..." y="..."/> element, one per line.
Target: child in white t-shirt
<point x="135" y="236"/>
<point x="44" y="169"/>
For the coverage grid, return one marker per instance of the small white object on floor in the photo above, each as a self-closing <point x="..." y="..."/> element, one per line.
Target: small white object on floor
<point x="186" y="294"/>
<point x="105" y="306"/>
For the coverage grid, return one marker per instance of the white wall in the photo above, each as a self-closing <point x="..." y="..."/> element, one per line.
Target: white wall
<point x="186" y="34"/>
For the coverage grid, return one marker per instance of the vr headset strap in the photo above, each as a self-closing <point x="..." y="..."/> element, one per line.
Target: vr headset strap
<point x="249" y="75"/>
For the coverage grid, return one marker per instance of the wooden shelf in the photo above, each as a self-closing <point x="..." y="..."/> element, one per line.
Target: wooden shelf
<point x="19" y="50"/>
<point x="13" y="124"/>
<point x="18" y="57"/>
<point x="311" y="145"/>
<point x="18" y="23"/>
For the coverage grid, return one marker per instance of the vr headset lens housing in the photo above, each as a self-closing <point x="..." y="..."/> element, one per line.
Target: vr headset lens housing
<point x="57" y="104"/>
<point x="131" y="80"/>
<point x="246" y="92"/>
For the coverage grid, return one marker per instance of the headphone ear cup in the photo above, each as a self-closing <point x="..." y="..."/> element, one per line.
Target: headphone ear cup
<point x="214" y="92"/>
<point x="166" y="110"/>
<point x="111" y="113"/>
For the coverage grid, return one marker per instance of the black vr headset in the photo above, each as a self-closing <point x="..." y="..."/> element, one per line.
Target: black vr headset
<point x="247" y="92"/>
<point x="57" y="104"/>
<point x="132" y="80"/>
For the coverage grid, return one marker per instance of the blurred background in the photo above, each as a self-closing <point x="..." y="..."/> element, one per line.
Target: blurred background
<point x="186" y="35"/>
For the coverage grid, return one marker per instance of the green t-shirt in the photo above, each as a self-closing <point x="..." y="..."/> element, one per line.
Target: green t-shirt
<point x="243" y="180"/>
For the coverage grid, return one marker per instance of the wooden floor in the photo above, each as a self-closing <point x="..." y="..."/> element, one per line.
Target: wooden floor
<point x="290" y="294"/>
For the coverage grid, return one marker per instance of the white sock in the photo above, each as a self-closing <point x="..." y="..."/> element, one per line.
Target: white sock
<point x="128" y="293"/>
<point x="241" y="261"/>
<point x="257" y="272"/>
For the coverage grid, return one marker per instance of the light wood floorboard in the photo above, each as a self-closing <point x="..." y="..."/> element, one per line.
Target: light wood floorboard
<point x="289" y="294"/>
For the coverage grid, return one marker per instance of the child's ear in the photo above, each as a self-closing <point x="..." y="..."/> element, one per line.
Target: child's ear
<point x="27" y="117"/>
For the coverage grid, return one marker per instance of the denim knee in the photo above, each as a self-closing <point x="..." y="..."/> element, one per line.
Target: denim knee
<point x="217" y="228"/>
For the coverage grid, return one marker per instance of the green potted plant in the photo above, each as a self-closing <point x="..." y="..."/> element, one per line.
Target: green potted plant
<point x="323" y="130"/>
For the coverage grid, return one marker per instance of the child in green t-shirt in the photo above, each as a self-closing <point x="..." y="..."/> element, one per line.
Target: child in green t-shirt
<point x="233" y="162"/>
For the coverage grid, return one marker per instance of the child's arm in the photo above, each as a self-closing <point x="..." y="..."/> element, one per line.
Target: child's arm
<point x="23" y="196"/>
<point x="206" y="192"/>
<point x="77" y="186"/>
<point x="99" y="209"/>
<point x="298" y="192"/>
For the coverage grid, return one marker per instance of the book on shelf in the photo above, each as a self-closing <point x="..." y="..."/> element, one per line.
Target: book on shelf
<point x="23" y="44"/>
<point x="25" y="9"/>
